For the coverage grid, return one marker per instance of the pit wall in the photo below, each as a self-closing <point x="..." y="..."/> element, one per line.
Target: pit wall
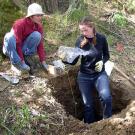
<point x="66" y="92"/>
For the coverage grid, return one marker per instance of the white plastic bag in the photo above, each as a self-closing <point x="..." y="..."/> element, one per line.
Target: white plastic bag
<point x="109" y="67"/>
<point x="59" y="64"/>
<point x="69" y="54"/>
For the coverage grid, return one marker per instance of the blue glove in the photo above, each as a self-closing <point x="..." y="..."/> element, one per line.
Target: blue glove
<point x="25" y="67"/>
<point x="22" y="66"/>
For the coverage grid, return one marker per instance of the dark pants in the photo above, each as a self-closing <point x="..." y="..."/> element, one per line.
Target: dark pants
<point x="86" y="86"/>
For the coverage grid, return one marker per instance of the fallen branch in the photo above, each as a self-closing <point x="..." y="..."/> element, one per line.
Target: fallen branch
<point x="7" y="129"/>
<point x="124" y="75"/>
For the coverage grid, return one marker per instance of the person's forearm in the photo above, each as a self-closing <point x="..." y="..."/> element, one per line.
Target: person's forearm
<point x="73" y="63"/>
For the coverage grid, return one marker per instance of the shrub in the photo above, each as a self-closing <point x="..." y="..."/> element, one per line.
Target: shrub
<point x="119" y="19"/>
<point x="8" y="14"/>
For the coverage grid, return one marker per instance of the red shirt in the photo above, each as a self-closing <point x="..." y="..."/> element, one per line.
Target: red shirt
<point x="22" y="29"/>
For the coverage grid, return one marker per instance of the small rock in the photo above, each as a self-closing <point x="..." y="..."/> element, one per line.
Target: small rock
<point x="34" y="112"/>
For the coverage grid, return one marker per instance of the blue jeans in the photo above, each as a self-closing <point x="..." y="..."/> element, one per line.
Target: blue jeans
<point x="29" y="46"/>
<point x="86" y="86"/>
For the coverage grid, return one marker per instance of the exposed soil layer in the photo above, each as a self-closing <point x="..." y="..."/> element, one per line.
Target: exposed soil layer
<point x="59" y="98"/>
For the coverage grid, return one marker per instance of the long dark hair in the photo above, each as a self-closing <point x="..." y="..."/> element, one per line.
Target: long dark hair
<point x="88" y="22"/>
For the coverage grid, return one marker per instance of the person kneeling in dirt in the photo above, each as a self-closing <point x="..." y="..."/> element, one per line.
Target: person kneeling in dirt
<point x="26" y="39"/>
<point x="92" y="72"/>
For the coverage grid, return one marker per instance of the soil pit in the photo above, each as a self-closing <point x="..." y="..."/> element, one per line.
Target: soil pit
<point x="59" y="99"/>
<point x="67" y="93"/>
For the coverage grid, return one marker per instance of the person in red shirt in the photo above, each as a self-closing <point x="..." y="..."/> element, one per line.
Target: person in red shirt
<point x="26" y="39"/>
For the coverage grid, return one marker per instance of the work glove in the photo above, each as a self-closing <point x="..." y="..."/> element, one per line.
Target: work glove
<point x="45" y="66"/>
<point x="99" y="66"/>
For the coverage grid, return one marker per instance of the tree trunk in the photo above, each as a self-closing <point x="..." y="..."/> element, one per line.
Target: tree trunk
<point x="51" y="5"/>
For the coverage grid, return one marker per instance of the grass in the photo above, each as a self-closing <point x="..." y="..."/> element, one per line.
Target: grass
<point x="14" y="121"/>
<point x="64" y="27"/>
<point x="120" y="20"/>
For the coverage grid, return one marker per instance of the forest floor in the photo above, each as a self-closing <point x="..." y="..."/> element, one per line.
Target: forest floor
<point x="43" y="104"/>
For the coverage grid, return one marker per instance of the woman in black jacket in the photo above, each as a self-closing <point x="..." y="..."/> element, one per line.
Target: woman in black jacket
<point x="92" y="72"/>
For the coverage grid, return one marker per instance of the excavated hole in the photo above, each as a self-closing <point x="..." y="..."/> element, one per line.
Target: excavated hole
<point x="66" y="92"/>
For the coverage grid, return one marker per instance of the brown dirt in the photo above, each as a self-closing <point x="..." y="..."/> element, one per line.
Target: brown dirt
<point x="59" y="98"/>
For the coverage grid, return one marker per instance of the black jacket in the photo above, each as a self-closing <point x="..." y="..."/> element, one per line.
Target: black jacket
<point x="97" y="52"/>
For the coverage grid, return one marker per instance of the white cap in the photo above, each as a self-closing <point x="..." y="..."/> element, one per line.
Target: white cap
<point x="34" y="9"/>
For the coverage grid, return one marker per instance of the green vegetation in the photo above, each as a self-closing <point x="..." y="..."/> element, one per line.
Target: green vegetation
<point x="8" y="14"/>
<point x="120" y="20"/>
<point x="76" y="11"/>
<point x="14" y="121"/>
<point x="63" y="28"/>
<point x="130" y="6"/>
